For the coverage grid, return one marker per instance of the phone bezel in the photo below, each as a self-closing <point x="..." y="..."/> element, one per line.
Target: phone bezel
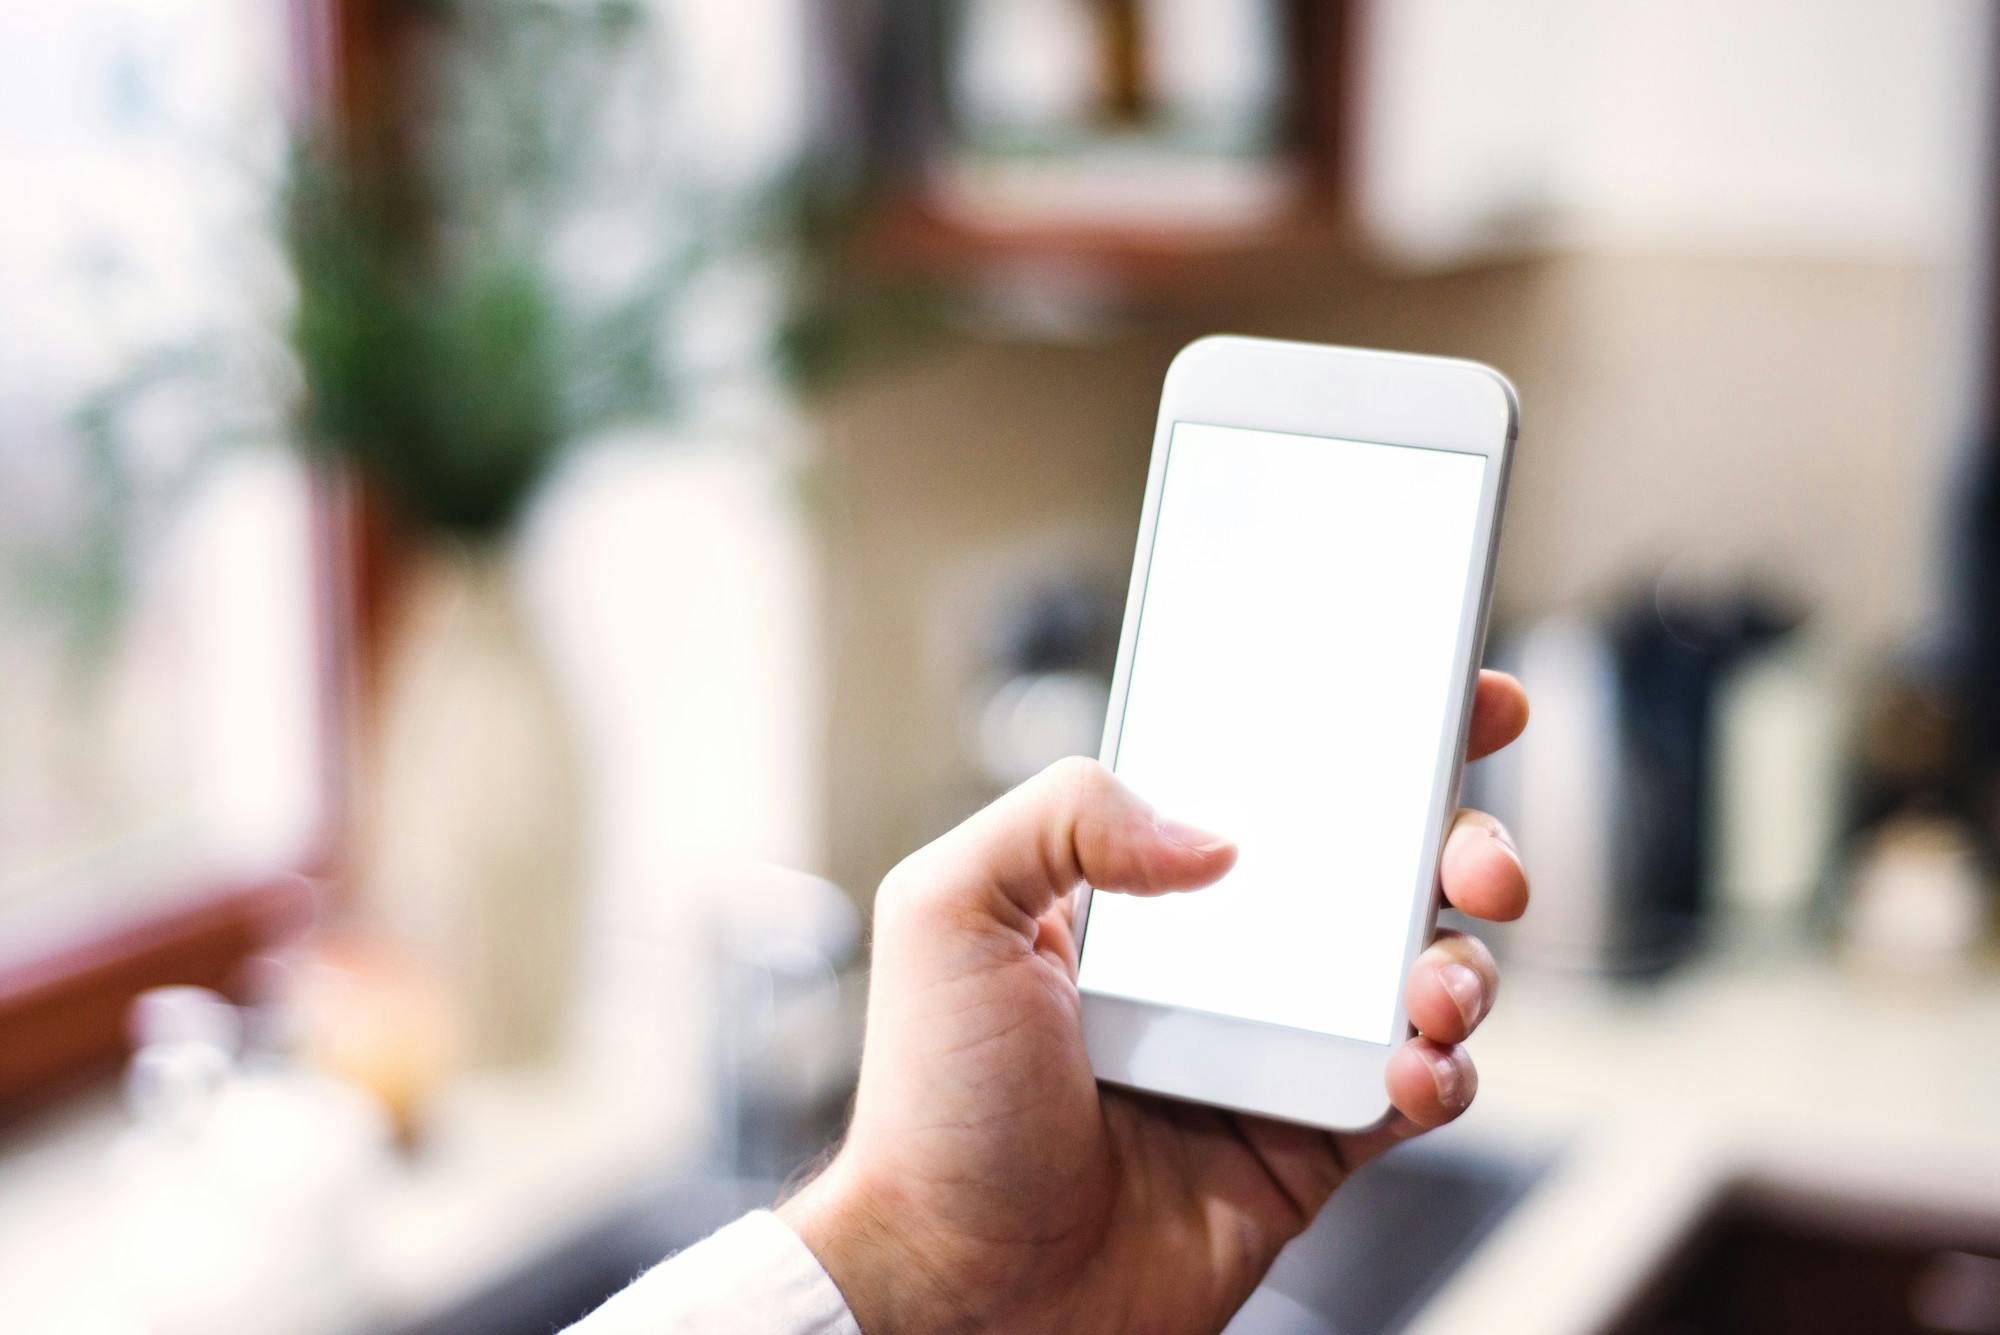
<point x="1347" y="394"/>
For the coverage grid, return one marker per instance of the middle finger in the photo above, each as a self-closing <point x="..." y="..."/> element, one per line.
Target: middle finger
<point x="1480" y="872"/>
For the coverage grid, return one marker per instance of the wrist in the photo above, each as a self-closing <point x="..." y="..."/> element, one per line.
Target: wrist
<point x="862" y="1242"/>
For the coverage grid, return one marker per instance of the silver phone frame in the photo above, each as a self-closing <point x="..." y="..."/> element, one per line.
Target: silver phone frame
<point x="1344" y="394"/>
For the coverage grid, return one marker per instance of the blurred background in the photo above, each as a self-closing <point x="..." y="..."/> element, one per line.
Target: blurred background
<point x="514" y="515"/>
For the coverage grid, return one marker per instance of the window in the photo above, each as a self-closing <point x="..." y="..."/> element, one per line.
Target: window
<point x="162" y="726"/>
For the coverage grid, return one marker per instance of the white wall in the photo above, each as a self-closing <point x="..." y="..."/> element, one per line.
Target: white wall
<point x="1840" y="127"/>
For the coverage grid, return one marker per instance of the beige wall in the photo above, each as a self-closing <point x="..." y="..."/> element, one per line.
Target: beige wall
<point x="1785" y="417"/>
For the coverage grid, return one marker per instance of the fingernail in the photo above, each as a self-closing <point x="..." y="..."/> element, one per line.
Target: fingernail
<point x="1444" y="1073"/>
<point x="1191" y="836"/>
<point x="1466" y="989"/>
<point x="1499" y="834"/>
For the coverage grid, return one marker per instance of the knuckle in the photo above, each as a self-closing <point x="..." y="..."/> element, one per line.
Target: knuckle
<point x="1477" y="953"/>
<point x="904" y="888"/>
<point x="1471" y="820"/>
<point x="1080" y="776"/>
<point x="1435" y="957"/>
<point x="922" y="893"/>
<point x="1453" y="947"/>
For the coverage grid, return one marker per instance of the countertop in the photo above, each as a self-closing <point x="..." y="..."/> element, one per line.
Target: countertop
<point x="1769" y="1067"/>
<point x="1773" y="1066"/>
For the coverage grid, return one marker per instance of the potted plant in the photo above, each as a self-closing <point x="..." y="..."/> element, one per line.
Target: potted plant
<point x="478" y="289"/>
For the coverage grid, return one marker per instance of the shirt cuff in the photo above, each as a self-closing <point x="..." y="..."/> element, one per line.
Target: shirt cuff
<point x="753" y="1276"/>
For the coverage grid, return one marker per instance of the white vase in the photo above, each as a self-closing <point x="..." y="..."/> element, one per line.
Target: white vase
<point x="472" y="851"/>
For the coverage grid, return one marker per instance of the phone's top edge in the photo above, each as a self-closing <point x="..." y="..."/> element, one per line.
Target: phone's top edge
<point x="1306" y="345"/>
<point x="1220" y="342"/>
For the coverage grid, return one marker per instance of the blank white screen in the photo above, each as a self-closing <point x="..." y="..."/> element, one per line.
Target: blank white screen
<point x="1288" y="689"/>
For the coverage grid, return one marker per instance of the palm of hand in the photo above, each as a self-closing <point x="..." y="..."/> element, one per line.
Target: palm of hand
<point x="1034" y="1183"/>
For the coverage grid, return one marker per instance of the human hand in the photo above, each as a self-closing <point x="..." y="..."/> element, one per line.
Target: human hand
<point x="988" y="1183"/>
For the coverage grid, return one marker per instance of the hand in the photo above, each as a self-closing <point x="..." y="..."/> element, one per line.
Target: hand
<point x="988" y="1183"/>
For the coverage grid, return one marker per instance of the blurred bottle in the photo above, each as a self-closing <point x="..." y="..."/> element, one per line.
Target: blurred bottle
<point x="1612" y="795"/>
<point x="370" y="1015"/>
<point x="1971" y="621"/>
<point x="1907" y="754"/>
<point x="1974" y="641"/>
<point x="1559" y="790"/>
<point x="1914" y="899"/>
<point x="1780" y="730"/>
<point x="232" y="1198"/>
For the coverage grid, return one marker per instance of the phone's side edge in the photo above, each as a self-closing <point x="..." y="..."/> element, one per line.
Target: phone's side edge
<point x="1128" y="630"/>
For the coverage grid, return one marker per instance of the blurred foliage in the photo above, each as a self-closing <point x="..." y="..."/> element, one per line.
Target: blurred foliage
<point x="508" y="261"/>
<point x="841" y="316"/>
<point x="139" y="446"/>
<point x="452" y="339"/>
<point x="81" y="579"/>
<point x="78" y="582"/>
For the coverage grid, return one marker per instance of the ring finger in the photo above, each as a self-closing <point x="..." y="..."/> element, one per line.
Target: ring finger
<point x="1451" y="987"/>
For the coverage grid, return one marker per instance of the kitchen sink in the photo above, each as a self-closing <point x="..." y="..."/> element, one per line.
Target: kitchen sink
<point x="1774" y="1259"/>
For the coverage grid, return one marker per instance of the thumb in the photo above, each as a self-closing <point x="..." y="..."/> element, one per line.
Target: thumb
<point x="1072" y="823"/>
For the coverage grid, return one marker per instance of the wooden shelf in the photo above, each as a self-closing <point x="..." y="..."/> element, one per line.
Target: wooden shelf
<point x="909" y="240"/>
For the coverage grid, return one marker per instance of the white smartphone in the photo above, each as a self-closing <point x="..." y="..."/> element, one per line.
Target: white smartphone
<point x="1296" y="671"/>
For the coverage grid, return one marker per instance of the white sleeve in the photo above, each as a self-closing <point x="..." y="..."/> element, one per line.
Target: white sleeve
<point x="753" y="1276"/>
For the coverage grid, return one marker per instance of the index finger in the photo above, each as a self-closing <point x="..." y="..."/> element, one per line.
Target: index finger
<point x="1499" y="714"/>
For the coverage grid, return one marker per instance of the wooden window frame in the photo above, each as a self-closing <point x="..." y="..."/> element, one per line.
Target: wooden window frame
<point x="63" y="1014"/>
